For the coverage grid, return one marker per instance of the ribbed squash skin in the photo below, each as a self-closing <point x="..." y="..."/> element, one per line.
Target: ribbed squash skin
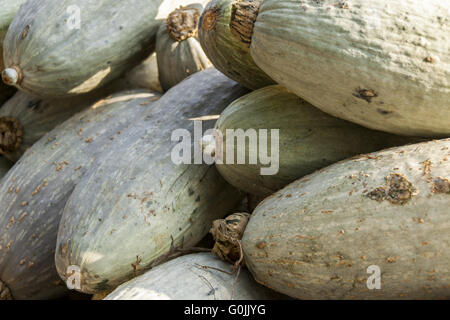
<point x="35" y="190"/>
<point x="177" y="59"/>
<point x="316" y="238"/>
<point x="382" y="64"/>
<point x="309" y="139"/>
<point x="38" y="116"/>
<point x="57" y="60"/>
<point x="226" y="50"/>
<point x="5" y="165"/>
<point x="134" y="200"/>
<point x="183" y="279"/>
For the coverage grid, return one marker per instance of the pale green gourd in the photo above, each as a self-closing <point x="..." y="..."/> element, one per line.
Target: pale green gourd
<point x="324" y="236"/>
<point x="382" y="64"/>
<point x="308" y="140"/>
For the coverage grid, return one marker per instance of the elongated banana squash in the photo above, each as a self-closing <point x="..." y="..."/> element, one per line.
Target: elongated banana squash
<point x="372" y="227"/>
<point x="34" y="192"/>
<point x="178" y="50"/>
<point x="300" y="140"/>
<point x="200" y="276"/>
<point x="59" y="48"/>
<point x="139" y="202"/>
<point x="382" y="64"/>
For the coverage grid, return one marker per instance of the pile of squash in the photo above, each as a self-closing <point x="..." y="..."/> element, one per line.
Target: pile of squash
<point x="94" y="95"/>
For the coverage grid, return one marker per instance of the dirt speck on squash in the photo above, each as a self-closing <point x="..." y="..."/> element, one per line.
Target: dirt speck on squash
<point x="365" y="94"/>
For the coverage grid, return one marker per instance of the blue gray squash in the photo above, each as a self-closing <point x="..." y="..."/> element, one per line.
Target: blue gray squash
<point x="34" y="192"/>
<point x="135" y="200"/>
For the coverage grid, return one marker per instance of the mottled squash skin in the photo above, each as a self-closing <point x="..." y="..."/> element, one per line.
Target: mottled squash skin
<point x="183" y="279"/>
<point x="309" y="139"/>
<point x="382" y="64"/>
<point x="316" y="238"/>
<point x="220" y="38"/>
<point x="180" y="54"/>
<point x="135" y="200"/>
<point x="35" y="190"/>
<point x="54" y="58"/>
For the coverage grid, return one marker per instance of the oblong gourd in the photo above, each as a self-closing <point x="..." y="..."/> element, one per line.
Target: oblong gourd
<point x="308" y="140"/>
<point x="58" y="48"/>
<point x="382" y="64"/>
<point x="24" y="118"/>
<point x="178" y="50"/>
<point x="200" y="276"/>
<point x="35" y="190"/>
<point x="332" y="234"/>
<point x="117" y="224"/>
<point x="5" y="165"/>
<point x="226" y="41"/>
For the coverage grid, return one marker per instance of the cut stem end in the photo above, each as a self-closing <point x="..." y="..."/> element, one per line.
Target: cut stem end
<point x="12" y="76"/>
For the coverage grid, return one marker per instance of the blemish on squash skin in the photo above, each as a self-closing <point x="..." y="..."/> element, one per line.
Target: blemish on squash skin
<point x="398" y="190"/>
<point x="365" y="94"/>
<point x="441" y="185"/>
<point x="25" y="32"/>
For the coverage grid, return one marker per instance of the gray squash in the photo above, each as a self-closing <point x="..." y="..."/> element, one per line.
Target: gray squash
<point x="122" y="217"/>
<point x="24" y="118"/>
<point x="382" y="64"/>
<point x="200" y="276"/>
<point x="226" y="40"/>
<point x="309" y="139"/>
<point x="48" y="53"/>
<point x="5" y="165"/>
<point x="35" y="190"/>
<point x="178" y="50"/>
<point x="332" y="234"/>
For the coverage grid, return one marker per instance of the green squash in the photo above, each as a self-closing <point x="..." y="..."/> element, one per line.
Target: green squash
<point x="24" y="118"/>
<point x="309" y="139"/>
<point x="34" y="192"/>
<point x="226" y="41"/>
<point x="59" y="48"/>
<point x="136" y="200"/>
<point x="178" y="50"/>
<point x="382" y="64"/>
<point x="372" y="227"/>
<point x="184" y="279"/>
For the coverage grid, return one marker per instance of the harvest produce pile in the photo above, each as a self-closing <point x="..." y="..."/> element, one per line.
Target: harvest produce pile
<point x="225" y="149"/>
